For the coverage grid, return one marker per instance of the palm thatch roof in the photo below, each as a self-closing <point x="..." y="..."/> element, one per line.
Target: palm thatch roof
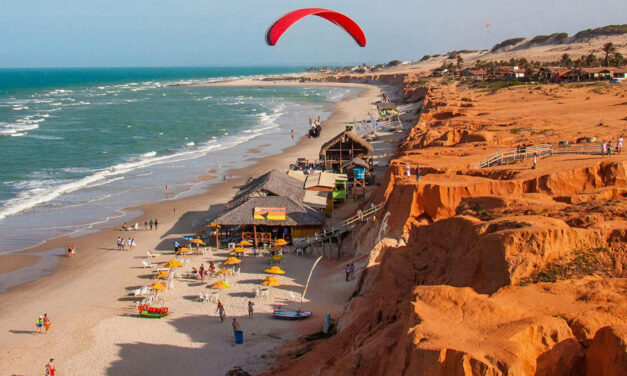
<point x="352" y="135"/>
<point x="358" y="162"/>
<point x="273" y="183"/>
<point x="297" y="214"/>
<point x="382" y="106"/>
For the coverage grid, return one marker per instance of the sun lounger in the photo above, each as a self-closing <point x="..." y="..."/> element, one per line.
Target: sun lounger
<point x="150" y="254"/>
<point x="148" y="265"/>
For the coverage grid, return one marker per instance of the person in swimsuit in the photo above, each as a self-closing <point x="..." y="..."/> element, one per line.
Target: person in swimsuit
<point x="50" y="368"/>
<point x="250" y="309"/>
<point x="221" y="311"/>
<point x="47" y="322"/>
<point x="39" y="324"/>
<point x="201" y="270"/>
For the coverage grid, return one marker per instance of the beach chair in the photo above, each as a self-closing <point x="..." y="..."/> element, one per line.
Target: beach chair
<point x="202" y="297"/>
<point x="237" y="270"/>
<point x="299" y="251"/>
<point x="150" y="254"/>
<point x="148" y="265"/>
<point x="215" y="296"/>
<point x="265" y="292"/>
<point x="137" y="292"/>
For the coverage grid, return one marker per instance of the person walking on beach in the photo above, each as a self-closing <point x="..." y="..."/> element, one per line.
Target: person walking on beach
<point x="201" y="270"/>
<point x="39" y="324"/>
<point x="50" y="368"/>
<point x="120" y="243"/>
<point x="133" y="244"/>
<point x="221" y="311"/>
<point x="212" y="268"/>
<point x="150" y="223"/>
<point x="47" y="322"/>
<point x="236" y="327"/>
<point x="146" y="225"/>
<point x="535" y="161"/>
<point x="156" y="223"/>
<point x="250" y="309"/>
<point x="130" y="243"/>
<point x="619" y="144"/>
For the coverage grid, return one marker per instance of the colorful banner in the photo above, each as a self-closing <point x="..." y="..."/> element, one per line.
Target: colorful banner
<point x="272" y="214"/>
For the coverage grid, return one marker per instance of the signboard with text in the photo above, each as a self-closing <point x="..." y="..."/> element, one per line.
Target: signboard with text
<point x="272" y="214"/>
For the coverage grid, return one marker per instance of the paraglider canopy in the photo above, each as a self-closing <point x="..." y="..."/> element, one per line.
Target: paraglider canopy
<point x="279" y="26"/>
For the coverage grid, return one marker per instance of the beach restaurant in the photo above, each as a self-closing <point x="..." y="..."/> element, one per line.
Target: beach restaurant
<point x="344" y="147"/>
<point x="273" y="183"/>
<point x="263" y="220"/>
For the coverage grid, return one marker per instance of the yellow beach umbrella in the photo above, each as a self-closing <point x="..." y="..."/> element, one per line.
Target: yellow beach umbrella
<point x="198" y="241"/>
<point x="271" y="281"/>
<point x="173" y="264"/>
<point x="277" y="258"/>
<point x="232" y="261"/>
<point x="245" y="243"/>
<point x="220" y="285"/>
<point x="225" y="271"/>
<point x="275" y="270"/>
<point x="280" y="242"/>
<point x="238" y="250"/>
<point x="163" y="274"/>
<point x="214" y="225"/>
<point x="158" y="286"/>
<point x="183" y="250"/>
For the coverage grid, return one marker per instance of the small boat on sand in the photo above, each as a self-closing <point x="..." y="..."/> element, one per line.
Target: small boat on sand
<point x="291" y="315"/>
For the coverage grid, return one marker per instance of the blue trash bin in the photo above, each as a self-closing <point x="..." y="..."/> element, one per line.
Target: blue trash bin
<point x="239" y="337"/>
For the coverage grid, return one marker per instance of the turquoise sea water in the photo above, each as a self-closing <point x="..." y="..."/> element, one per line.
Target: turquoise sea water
<point x="77" y="145"/>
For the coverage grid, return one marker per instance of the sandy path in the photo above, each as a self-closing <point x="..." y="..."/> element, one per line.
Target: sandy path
<point x="88" y="302"/>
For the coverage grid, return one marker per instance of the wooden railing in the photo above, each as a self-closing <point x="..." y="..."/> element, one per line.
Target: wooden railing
<point x="514" y="155"/>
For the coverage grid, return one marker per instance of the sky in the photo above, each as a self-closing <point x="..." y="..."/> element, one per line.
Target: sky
<point x="130" y="33"/>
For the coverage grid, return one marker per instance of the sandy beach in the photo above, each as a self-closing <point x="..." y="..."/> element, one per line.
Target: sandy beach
<point x="95" y="329"/>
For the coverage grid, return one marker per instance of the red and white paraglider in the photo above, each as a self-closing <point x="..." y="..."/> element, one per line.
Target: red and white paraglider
<point x="284" y="22"/>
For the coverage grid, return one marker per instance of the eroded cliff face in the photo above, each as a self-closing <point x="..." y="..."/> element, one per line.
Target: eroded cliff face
<point x="500" y="271"/>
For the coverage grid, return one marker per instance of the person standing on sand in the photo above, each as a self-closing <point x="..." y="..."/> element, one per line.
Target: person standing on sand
<point x="212" y="268"/>
<point x="146" y="225"/>
<point x="236" y="327"/>
<point x="39" y="324"/>
<point x="156" y="223"/>
<point x="47" y="322"/>
<point x="130" y="243"/>
<point x="221" y="312"/>
<point x="167" y="190"/>
<point x="230" y="176"/>
<point x="119" y="241"/>
<point x="150" y="223"/>
<point x="348" y="271"/>
<point x="201" y="270"/>
<point x="535" y="161"/>
<point x="603" y="148"/>
<point x="619" y="144"/>
<point x="408" y="170"/>
<point x="250" y="309"/>
<point x="50" y="368"/>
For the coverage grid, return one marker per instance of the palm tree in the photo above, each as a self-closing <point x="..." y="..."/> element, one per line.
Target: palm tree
<point x="608" y="49"/>
<point x="591" y="60"/>
<point x="460" y="60"/>
<point x="566" y="61"/>
<point x="619" y="59"/>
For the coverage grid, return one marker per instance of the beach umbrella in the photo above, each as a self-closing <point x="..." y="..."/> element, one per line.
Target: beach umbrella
<point x="238" y="250"/>
<point x="280" y="242"/>
<point x="220" y="285"/>
<point x="158" y="286"/>
<point x="225" y="271"/>
<point x="271" y="281"/>
<point x="173" y="264"/>
<point x="214" y="225"/>
<point x="275" y="270"/>
<point x="183" y="250"/>
<point x="232" y="261"/>
<point x="276" y="258"/>
<point x="198" y="241"/>
<point x="245" y="243"/>
<point x="163" y="274"/>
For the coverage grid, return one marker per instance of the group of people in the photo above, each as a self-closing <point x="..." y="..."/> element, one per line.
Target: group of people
<point x="222" y="315"/>
<point x="43" y="322"/>
<point x="202" y="272"/>
<point x="148" y="225"/>
<point x="123" y="244"/>
<point x="606" y="147"/>
<point x="350" y="271"/>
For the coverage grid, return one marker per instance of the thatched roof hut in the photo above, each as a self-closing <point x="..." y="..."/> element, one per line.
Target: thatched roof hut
<point x="355" y="162"/>
<point x="344" y="147"/>
<point x="386" y="106"/>
<point x="273" y="183"/>
<point x="296" y="214"/>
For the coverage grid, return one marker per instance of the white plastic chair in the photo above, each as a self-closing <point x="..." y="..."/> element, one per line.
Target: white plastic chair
<point x="148" y="265"/>
<point x="299" y="251"/>
<point x="264" y="293"/>
<point x="150" y="254"/>
<point x="231" y="245"/>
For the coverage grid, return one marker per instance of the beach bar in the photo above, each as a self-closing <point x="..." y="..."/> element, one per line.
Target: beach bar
<point x="263" y="220"/>
<point x="344" y="147"/>
<point x="273" y="183"/>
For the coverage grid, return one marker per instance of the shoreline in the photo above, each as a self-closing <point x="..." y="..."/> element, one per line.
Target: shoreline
<point x="73" y="278"/>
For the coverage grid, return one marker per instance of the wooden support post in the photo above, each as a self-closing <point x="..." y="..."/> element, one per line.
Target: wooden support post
<point x="255" y="235"/>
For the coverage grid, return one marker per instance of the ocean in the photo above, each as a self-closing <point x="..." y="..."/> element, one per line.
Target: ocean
<point x="78" y="145"/>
